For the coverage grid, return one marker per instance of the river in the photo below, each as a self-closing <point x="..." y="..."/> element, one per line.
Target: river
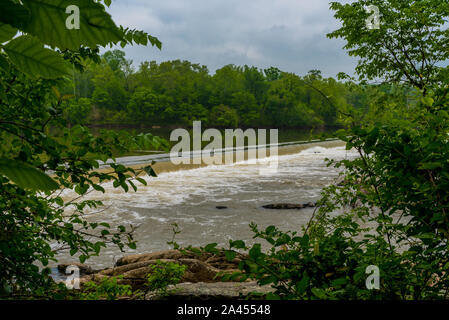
<point x="189" y="198"/>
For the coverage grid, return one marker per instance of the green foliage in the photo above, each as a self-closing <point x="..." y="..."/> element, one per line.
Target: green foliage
<point x="30" y="221"/>
<point x="78" y="111"/>
<point x="36" y="140"/>
<point x="164" y="274"/>
<point x="107" y="289"/>
<point x="48" y="22"/>
<point x="223" y="116"/>
<point x="306" y="267"/>
<point x="285" y="104"/>
<point x="146" y="104"/>
<point x="412" y="39"/>
<point x="247" y="108"/>
<point x="43" y="22"/>
<point x="30" y="56"/>
<point x="179" y="92"/>
<point x="26" y="176"/>
<point x="109" y="92"/>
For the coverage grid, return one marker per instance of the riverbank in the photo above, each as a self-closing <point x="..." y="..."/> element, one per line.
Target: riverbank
<point x="202" y="278"/>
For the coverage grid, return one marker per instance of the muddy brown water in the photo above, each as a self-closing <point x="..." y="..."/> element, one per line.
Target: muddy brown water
<point x="189" y="197"/>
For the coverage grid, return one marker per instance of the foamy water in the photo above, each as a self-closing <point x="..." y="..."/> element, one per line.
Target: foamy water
<point x="189" y="199"/>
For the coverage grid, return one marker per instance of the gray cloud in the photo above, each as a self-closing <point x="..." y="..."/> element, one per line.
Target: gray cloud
<point x="289" y="34"/>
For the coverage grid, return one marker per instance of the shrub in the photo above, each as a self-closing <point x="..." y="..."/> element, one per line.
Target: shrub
<point x="164" y="274"/>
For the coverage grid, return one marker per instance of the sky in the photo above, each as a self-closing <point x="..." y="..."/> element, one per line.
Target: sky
<point x="288" y="34"/>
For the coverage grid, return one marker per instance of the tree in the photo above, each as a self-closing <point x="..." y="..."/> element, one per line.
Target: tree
<point x="223" y="117"/>
<point x="226" y="81"/>
<point x="324" y="96"/>
<point x="78" y="111"/>
<point x="147" y="106"/>
<point x="30" y="104"/>
<point x="109" y="92"/>
<point x="284" y="106"/>
<point x="255" y="83"/>
<point x="116" y="60"/>
<point x="187" y="92"/>
<point x="121" y="66"/>
<point x="273" y="73"/>
<point x="409" y="45"/>
<point x="247" y="108"/>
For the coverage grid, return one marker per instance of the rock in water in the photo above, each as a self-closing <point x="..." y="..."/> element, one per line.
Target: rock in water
<point x="221" y="207"/>
<point x="311" y="205"/>
<point x="84" y="269"/>
<point x="284" y="206"/>
<point x="289" y="206"/>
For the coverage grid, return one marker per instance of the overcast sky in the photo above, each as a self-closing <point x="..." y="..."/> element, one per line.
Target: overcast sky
<point x="288" y="34"/>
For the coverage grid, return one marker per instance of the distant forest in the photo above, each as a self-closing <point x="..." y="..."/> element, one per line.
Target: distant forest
<point x="179" y="92"/>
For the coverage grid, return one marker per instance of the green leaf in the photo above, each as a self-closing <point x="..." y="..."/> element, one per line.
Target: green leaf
<point x="48" y="23"/>
<point x="267" y="280"/>
<point x="4" y="64"/>
<point x="238" y="244"/>
<point x="302" y="285"/>
<point x="98" y="188"/>
<point x="230" y="255"/>
<point x="142" y="181"/>
<point x="339" y="282"/>
<point x="428" y="101"/>
<point x="139" y="37"/>
<point x="30" y="56"/>
<point x="255" y="252"/>
<point x="132" y="185"/>
<point x="5" y="290"/>
<point x="26" y="176"/>
<point x="319" y="293"/>
<point x="211" y="247"/>
<point x="150" y="171"/>
<point x="124" y="186"/>
<point x="430" y="165"/>
<point x="83" y="258"/>
<point x="6" y="32"/>
<point x="269" y="230"/>
<point x="14" y="14"/>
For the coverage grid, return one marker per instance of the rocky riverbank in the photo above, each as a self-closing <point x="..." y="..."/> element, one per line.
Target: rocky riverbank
<point x="201" y="280"/>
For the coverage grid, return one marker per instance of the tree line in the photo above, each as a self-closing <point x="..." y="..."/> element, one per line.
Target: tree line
<point x="179" y="92"/>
